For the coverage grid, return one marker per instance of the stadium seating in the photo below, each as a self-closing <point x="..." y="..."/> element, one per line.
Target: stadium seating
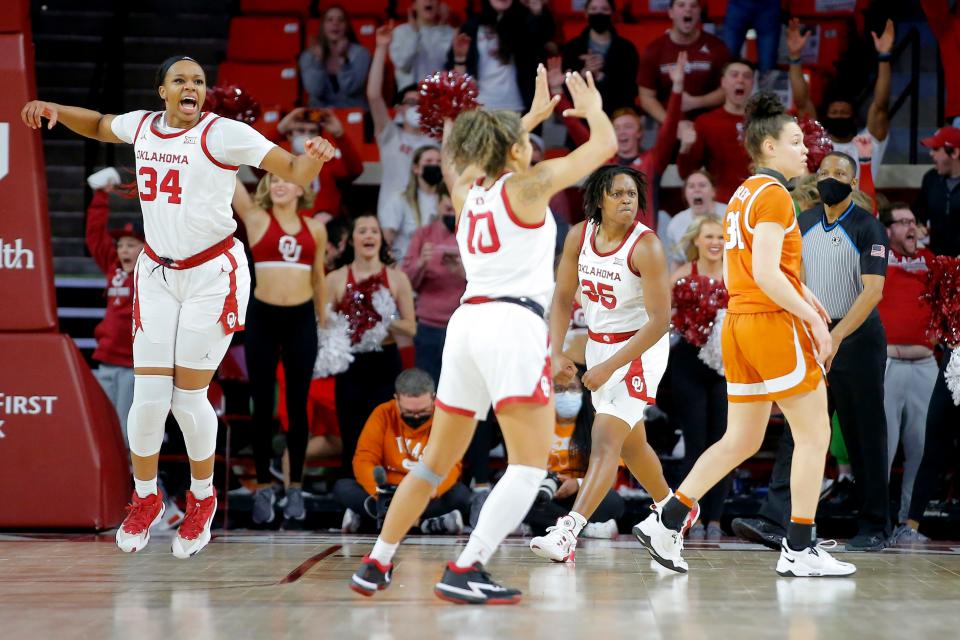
<point x="355" y="128"/>
<point x="269" y="83"/>
<point x="264" y="39"/>
<point x="360" y="8"/>
<point x="276" y="7"/>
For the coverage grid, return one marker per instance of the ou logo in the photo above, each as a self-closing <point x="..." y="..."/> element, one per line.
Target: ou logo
<point x="289" y="248"/>
<point x="637" y="383"/>
<point x="231" y="319"/>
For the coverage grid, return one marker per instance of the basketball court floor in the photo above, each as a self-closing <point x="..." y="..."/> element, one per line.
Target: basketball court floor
<point x="293" y="585"/>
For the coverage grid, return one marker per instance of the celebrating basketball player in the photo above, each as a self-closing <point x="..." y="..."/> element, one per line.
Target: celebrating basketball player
<point x="774" y="342"/>
<point x="618" y="267"/>
<point x="497" y="341"/>
<point x="191" y="282"/>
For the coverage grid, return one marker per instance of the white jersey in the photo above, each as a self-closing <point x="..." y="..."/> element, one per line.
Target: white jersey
<point x="502" y="256"/>
<point x="186" y="177"/>
<point x="611" y="292"/>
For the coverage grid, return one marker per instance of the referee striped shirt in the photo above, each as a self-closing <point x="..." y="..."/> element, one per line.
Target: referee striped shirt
<point x="836" y="255"/>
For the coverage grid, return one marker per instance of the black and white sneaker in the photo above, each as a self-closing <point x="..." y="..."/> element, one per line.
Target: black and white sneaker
<point x="473" y="585"/>
<point x="371" y="577"/>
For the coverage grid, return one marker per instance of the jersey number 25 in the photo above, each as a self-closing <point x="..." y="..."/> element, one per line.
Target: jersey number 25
<point x="170" y="184"/>
<point x="599" y="292"/>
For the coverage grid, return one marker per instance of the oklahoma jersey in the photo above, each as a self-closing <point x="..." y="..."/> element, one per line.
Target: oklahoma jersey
<point x="186" y="177"/>
<point x="761" y="198"/>
<point x="502" y="255"/>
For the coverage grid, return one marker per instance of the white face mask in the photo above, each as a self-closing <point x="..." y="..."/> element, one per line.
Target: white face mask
<point x="298" y="143"/>
<point x="412" y="117"/>
<point x="568" y="404"/>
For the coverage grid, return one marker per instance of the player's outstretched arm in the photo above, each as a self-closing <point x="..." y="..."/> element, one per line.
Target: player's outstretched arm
<point x="300" y="169"/>
<point x="89" y="124"/>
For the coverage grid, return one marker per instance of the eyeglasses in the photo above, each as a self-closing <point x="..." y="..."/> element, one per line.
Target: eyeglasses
<point x="905" y="222"/>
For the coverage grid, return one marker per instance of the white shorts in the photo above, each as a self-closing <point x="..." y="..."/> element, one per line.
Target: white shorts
<point x="187" y="317"/>
<point x="495" y="353"/>
<point x="631" y="387"/>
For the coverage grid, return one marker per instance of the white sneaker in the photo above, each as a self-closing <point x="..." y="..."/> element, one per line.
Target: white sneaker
<point x="142" y="514"/>
<point x="812" y="562"/>
<point x="664" y="545"/>
<point x="605" y="530"/>
<point x="172" y="517"/>
<point x="692" y="517"/>
<point x="194" y="533"/>
<point x="351" y="521"/>
<point x="560" y="543"/>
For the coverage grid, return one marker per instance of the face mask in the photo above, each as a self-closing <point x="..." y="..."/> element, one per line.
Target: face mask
<point x="832" y="191"/>
<point x="599" y="22"/>
<point x="450" y="222"/>
<point x="298" y="144"/>
<point x="414" y="422"/>
<point x="412" y="117"/>
<point x="568" y="404"/>
<point x="841" y="128"/>
<point x="432" y="174"/>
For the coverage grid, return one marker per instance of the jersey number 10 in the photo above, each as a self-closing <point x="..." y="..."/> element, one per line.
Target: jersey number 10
<point x="482" y="233"/>
<point x="170" y="184"/>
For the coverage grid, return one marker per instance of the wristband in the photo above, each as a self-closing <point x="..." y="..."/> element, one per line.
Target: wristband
<point x="883" y="57"/>
<point x="794" y="60"/>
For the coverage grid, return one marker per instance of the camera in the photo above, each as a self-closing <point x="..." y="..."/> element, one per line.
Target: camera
<point x="548" y="487"/>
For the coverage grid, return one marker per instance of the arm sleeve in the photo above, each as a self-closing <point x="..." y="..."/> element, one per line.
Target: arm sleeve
<point x="773" y="204"/>
<point x="369" y="452"/>
<point x="867" y="186"/>
<point x="99" y="242"/>
<point x="667" y="136"/>
<point x="235" y="143"/>
<point x="874" y="246"/>
<point x="692" y="160"/>
<point x="349" y="165"/>
<point x="125" y="125"/>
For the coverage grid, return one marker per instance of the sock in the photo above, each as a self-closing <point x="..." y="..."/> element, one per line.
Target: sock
<point x="145" y="488"/>
<point x="801" y="533"/>
<point x="676" y="511"/>
<point x="660" y="503"/>
<point x="581" y="522"/>
<point x="383" y="551"/>
<point x="201" y="488"/>
<point x="506" y="506"/>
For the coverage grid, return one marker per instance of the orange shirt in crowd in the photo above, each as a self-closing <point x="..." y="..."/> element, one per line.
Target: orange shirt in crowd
<point x="387" y="441"/>
<point x="560" y="461"/>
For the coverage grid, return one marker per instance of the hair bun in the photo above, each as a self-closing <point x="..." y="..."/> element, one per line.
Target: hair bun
<point x="764" y="104"/>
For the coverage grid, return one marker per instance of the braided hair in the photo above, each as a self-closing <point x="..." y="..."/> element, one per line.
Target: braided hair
<point x="600" y="182"/>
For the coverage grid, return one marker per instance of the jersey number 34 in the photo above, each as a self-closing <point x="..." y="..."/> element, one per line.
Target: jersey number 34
<point x="169" y="184"/>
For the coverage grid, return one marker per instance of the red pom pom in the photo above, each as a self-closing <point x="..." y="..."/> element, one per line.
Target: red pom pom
<point x="943" y="296"/>
<point x="816" y="140"/>
<point x="232" y="102"/>
<point x="696" y="300"/>
<point x="357" y="305"/>
<point x="445" y="94"/>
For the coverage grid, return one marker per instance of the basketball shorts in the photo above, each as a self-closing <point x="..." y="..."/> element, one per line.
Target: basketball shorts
<point x="187" y="317"/>
<point x="767" y="356"/>
<point x="496" y="353"/>
<point x="626" y="394"/>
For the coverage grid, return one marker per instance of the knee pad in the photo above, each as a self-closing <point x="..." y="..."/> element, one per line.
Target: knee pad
<point x="197" y="420"/>
<point x="426" y="474"/>
<point x="152" y="397"/>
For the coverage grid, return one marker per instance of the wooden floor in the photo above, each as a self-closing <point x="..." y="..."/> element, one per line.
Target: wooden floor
<point x="293" y="585"/>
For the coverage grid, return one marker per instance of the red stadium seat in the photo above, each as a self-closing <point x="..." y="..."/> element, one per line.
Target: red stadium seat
<point x="366" y="30"/>
<point x="458" y="9"/>
<point x="717" y="9"/>
<point x="264" y="39"/>
<point x="269" y="83"/>
<point x="836" y="9"/>
<point x="276" y="7"/>
<point x="641" y="34"/>
<point x="354" y="128"/>
<point x="568" y="8"/>
<point x="648" y="8"/>
<point x="572" y="28"/>
<point x="358" y="8"/>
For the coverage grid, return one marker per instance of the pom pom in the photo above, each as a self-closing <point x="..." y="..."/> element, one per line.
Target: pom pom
<point x="445" y="94"/>
<point x="952" y="376"/>
<point x="710" y="353"/>
<point x="943" y="295"/>
<point x="816" y="140"/>
<point x="334" y="355"/>
<point x="696" y="300"/>
<point x="385" y="307"/>
<point x="232" y="102"/>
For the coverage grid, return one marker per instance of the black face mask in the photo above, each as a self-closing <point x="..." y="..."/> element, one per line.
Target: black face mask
<point x="840" y="128"/>
<point x="599" y="22"/>
<point x="450" y="222"/>
<point x="414" y="422"/>
<point x="832" y="191"/>
<point x="432" y="174"/>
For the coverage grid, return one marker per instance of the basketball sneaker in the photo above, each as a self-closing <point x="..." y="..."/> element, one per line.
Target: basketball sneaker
<point x="604" y="530"/>
<point x="294" y="508"/>
<point x="451" y="523"/>
<point x="194" y="533"/>
<point x="559" y="544"/>
<point x="812" y="562"/>
<point x="371" y="577"/>
<point x="263" y="501"/>
<point x="142" y="513"/>
<point x="473" y="585"/>
<point x="665" y="545"/>
<point x="691" y="519"/>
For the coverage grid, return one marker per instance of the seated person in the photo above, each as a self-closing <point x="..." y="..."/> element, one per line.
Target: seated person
<point x="393" y="439"/>
<point x="334" y="68"/>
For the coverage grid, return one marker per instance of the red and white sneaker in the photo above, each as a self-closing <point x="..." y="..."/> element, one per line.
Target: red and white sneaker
<point x="194" y="533"/>
<point x="559" y="544"/>
<point x="692" y="517"/>
<point x="142" y="513"/>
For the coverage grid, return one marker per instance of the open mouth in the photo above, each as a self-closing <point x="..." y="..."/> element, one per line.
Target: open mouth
<point x="687" y="21"/>
<point x="369" y="245"/>
<point x="188" y="104"/>
<point x="740" y="92"/>
<point x="698" y="200"/>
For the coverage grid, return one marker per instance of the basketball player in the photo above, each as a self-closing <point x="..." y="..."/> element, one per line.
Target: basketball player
<point x="497" y="341"/>
<point x="774" y="340"/>
<point x="617" y="266"/>
<point x="191" y="282"/>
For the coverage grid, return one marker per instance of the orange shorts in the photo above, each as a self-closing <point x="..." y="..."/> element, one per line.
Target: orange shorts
<point x="767" y="356"/>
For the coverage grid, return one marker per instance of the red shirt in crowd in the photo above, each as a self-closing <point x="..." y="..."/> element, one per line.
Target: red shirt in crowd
<point x="438" y="284"/>
<point x="946" y="27"/>
<point x="719" y="148"/>
<point x="113" y="334"/>
<point x="345" y="167"/>
<point x="705" y="59"/>
<point x="905" y="317"/>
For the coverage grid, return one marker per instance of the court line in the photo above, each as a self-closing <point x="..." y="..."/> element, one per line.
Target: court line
<point x="308" y="564"/>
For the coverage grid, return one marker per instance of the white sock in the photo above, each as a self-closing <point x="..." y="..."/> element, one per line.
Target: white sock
<point x="506" y="506"/>
<point x="580" y="520"/>
<point x="145" y="488"/>
<point x="665" y="500"/>
<point x="383" y="551"/>
<point x="201" y="488"/>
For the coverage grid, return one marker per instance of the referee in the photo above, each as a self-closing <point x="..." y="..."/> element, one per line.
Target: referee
<point x="845" y="264"/>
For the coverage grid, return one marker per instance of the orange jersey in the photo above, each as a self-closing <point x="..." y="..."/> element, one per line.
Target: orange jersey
<point x="761" y="198"/>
